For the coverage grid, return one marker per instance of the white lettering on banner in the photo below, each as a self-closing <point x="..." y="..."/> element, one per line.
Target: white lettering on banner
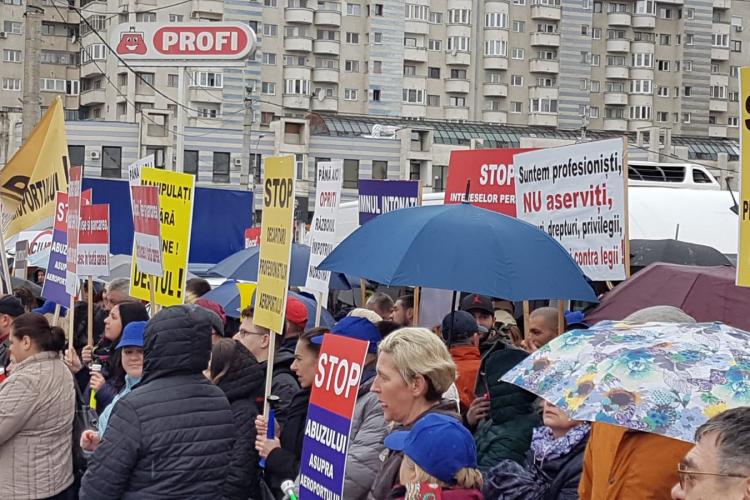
<point x="323" y="234"/>
<point x="317" y="489"/>
<point x="345" y="376"/>
<point x="326" y="436"/>
<point x="492" y="175"/>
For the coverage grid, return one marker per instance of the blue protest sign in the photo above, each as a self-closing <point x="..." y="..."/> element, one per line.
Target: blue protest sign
<point x="377" y="197"/>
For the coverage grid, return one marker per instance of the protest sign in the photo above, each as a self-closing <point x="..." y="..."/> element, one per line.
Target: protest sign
<point x="246" y="291"/>
<point x="134" y="169"/>
<point x="144" y="200"/>
<point x="73" y="225"/>
<point x="323" y="227"/>
<point x="93" y="241"/>
<point x="39" y="245"/>
<point x="38" y="170"/>
<point x="491" y="177"/>
<point x="577" y="195"/>
<point x="252" y="237"/>
<point x="378" y="197"/>
<point x="743" y="251"/>
<point x="329" y="416"/>
<point x="54" y="281"/>
<point x="21" y="259"/>
<point x="176" y="195"/>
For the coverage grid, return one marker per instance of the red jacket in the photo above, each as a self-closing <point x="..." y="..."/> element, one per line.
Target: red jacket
<point x="468" y="361"/>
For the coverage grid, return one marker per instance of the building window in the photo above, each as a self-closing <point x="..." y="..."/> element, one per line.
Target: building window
<point x="433" y="73"/>
<point x="73" y="87"/>
<point x="596" y="59"/>
<point x="496" y="20"/>
<point x="351" y="174"/>
<point x="665" y="39"/>
<point x="640" y="86"/>
<point x="663" y="91"/>
<point x="418" y="12"/>
<point x="351" y="66"/>
<point x="495" y="47"/>
<point x="352" y="38"/>
<point x="206" y="79"/>
<point x="542" y="105"/>
<point x="459" y="16"/>
<point x="689" y="39"/>
<point x="350" y="94"/>
<point x="377" y="9"/>
<point x="642" y="60"/>
<point x="518" y="54"/>
<point x="516" y="107"/>
<point x="13" y="27"/>
<point x="436" y="17"/>
<point x="353" y="9"/>
<point x="145" y="17"/>
<point x="435" y="45"/>
<point x="516" y="80"/>
<point x="297" y="87"/>
<point x="459" y="43"/>
<point x="736" y="46"/>
<point x="172" y="80"/>
<point x="190" y="162"/>
<point x="413" y="96"/>
<point x="377" y="66"/>
<point x="376" y="94"/>
<point x="519" y="26"/>
<point x="718" y="92"/>
<point x="685" y="117"/>
<point x="662" y="65"/>
<point x="379" y="169"/>
<point x="270" y="30"/>
<point x="596" y="33"/>
<point x="266" y="117"/>
<point x="269" y="58"/>
<point x="457" y="102"/>
<point x="687" y="91"/>
<point x="410" y="70"/>
<point x="595" y="85"/>
<point x="734" y="96"/>
<point x="593" y="112"/>
<point x="732" y="121"/>
<point x="221" y="167"/>
<point x="433" y="101"/>
<point x="11" y="55"/>
<point x="377" y="37"/>
<point x="268" y="88"/>
<point x="640" y="112"/>
<point x="111" y="161"/>
<point x="51" y="85"/>
<point x="458" y="74"/>
<point x="584" y="30"/>
<point x="77" y="155"/>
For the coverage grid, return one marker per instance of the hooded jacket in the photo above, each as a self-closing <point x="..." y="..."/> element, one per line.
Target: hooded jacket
<point x="172" y="436"/>
<point x="387" y="477"/>
<point x="365" y="440"/>
<point x="242" y="384"/>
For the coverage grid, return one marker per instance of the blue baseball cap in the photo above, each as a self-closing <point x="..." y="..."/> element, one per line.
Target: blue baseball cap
<point x="355" y="328"/>
<point x="132" y="335"/>
<point x="437" y="443"/>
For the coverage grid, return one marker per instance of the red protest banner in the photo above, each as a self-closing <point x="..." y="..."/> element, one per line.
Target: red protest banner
<point x="144" y="201"/>
<point x="93" y="241"/>
<point x="492" y="178"/>
<point x="73" y="223"/>
<point x="252" y="237"/>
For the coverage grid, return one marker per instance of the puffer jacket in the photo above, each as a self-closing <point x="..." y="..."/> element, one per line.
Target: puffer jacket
<point x="37" y="404"/>
<point x="513" y="412"/>
<point x="284" y="383"/>
<point x="365" y="440"/>
<point x="387" y="477"/>
<point x="283" y="463"/>
<point x="172" y="436"/>
<point x="242" y="384"/>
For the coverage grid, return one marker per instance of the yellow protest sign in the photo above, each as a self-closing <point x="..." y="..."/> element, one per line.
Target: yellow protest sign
<point x="176" y="194"/>
<point x="275" y="243"/>
<point x="246" y="294"/>
<point x="743" y="253"/>
<point x="31" y="179"/>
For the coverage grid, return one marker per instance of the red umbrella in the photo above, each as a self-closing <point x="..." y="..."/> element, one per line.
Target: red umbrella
<point x="705" y="293"/>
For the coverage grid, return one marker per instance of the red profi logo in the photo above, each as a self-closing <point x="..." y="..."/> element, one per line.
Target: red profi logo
<point x="132" y="43"/>
<point x="201" y="40"/>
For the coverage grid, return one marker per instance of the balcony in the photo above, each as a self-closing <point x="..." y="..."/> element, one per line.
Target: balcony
<point x="720" y="53"/>
<point x="546" y="12"/>
<point x="93" y="96"/>
<point x="325" y="75"/>
<point x="298" y="44"/>
<point x="296" y="101"/>
<point x="297" y="72"/>
<point x="495" y="62"/>
<point x="494" y="116"/>
<point x="495" y="90"/>
<point x="327" y="18"/>
<point x="90" y="69"/>
<point x="201" y="8"/>
<point x="722" y="4"/>
<point x="416" y="26"/>
<point x="643" y="21"/>
<point x="618" y="19"/>
<point x="617" y="72"/>
<point x="199" y="94"/>
<point x="298" y="15"/>
<point x="456" y="113"/>
<point x="327" y="104"/>
<point x="536" y="92"/>
<point x="544" y="66"/>
<point x="718" y="105"/>
<point x="545" y="39"/>
<point x="615" y="124"/>
<point x="636" y="125"/>
<point x="458" y="58"/>
<point x="618" y="45"/>
<point x="205" y="122"/>
<point x="416" y="54"/>
<point x="616" y="98"/>
<point x="717" y="131"/>
<point x="327" y="47"/>
<point x="457" y="85"/>
<point x="411" y="110"/>
<point x="543" y="119"/>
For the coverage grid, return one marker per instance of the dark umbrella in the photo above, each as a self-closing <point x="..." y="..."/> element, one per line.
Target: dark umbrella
<point x="646" y="252"/>
<point x="32" y="287"/>
<point x="705" y="293"/>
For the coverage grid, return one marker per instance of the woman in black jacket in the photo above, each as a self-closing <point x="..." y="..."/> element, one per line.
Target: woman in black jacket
<point x="236" y="372"/>
<point x="283" y="454"/>
<point x="553" y="465"/>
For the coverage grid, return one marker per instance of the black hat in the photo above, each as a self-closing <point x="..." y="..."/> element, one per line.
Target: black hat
<point x="476" y="301"/>
<point x="464" y="326"/>
<point x="11" y="306"/>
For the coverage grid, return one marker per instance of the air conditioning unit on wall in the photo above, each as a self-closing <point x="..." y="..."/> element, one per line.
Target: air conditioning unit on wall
<point x="94" y="155"/>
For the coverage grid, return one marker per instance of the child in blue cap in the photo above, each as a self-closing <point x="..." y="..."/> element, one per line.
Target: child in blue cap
<point x="440" y="460"/>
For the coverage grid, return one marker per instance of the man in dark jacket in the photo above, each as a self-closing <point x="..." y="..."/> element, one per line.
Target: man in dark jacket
<point x="172" y="436"/>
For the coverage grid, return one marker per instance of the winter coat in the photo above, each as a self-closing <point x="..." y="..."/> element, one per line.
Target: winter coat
<point x="283" y="463"/>
<point x="172" y="436"/>
<point x="365" y="441"/>
<point x="431" y="491"/>
<point x="4" y="356"/>
<point x="37" y="405"/>
<point x="554" y="479"/>
<point x="468" y="361"/>
<point x="107" y="412"/>
<point x="506" y="434"/>
<point x="242" y="384"/>
<point x="284" y="383"/>
<point x="388" y="475"/>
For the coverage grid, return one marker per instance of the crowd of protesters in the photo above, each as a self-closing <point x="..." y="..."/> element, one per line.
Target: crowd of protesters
<point x="170" y="405"/>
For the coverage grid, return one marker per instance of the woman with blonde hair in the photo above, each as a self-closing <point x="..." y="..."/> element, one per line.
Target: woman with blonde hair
<point x="440" y="460"/>
<point x="414" y="369"/>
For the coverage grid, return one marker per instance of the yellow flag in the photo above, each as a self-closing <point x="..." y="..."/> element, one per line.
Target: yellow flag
<point x="246" y="294"/>
<point x="31" y="179"/>
<point x="743" y="252"/>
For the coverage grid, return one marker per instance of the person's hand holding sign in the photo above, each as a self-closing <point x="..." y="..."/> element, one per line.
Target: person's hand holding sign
<point x="263" y="445"/>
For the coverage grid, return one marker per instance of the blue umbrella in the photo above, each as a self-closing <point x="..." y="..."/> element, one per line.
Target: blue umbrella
<point x="228" y="296"/>
<point x="243" y="265"/>
<point x="461" y="247"/>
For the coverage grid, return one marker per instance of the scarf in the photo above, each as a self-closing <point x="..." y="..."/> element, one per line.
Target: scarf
<point x="546" y="447"/>
<point x="104" y="417"/>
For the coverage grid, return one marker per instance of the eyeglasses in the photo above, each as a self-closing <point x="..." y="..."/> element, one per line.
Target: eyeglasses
<point x="688" y="475"/>
<point x="243" y="333"/>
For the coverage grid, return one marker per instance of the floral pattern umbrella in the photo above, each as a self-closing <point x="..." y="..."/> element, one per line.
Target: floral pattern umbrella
<point x="663" y="378"/>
